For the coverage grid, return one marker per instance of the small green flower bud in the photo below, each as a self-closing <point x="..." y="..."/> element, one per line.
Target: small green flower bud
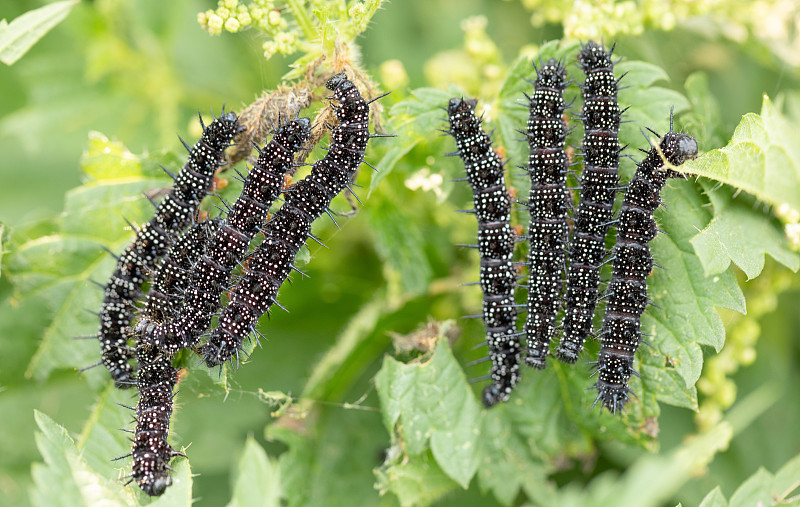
<point x="232" y="25"/>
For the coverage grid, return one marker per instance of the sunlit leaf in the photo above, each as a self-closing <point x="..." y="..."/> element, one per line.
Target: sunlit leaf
<point x="430" y="404"/>
<point x="762" y="158"/>
<point x="17" y="37"/>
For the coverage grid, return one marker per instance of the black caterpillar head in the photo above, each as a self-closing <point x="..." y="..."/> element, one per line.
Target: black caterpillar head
<point x="460" y="109"/>
<point x="218" y="135"/>
<point x="551" y="74"/>
<point x="678" y="148"/>
<point x="158" y="485"/>
<point x="593" y="56"/>
<point x="294" y="133"/>
<point x="339" y="85"/>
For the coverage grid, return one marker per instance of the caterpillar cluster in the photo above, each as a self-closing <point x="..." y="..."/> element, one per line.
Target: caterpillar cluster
<point x="173" y="275"/>
<point x="229" y="245"/>
<point x="495" y="246"/>
<point x="273" y="260"/>
<point x="548" y="233"/>
<point x="137" y="262"/>
<point x="187" y="287"/>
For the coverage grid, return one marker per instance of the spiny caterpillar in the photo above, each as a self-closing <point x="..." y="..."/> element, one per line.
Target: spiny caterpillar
<point x="174" y="273"/>
<point x="156" y="379"/>
<point x="495" y="246"/>
<point x="229" y="245"/>
<point x="173" y="214"/>
<point x="151" y="452"/>
<point x="599" y="181"/>
<point x="270" y="265"/>
<point x="548" y="203"/>
<point x="632" y="263"/>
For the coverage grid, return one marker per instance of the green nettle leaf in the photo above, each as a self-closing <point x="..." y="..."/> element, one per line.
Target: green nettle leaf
<point x="66" y="478"/>
<point x="259" y="481"/>
<point x="17" y="37"/>
<point x="509" y="461"/>
<point x="102" y="438"/>
<point x="715" y="499"/>
<point x="741" y="234"/>
<point x="762" y="488"/>
<point x="84" y="473"/>
<point x="419" y="483"/>
<point x="52" y="273"/>
<point x="762" y="158"/>
<point x="429" y="404"/>
<point x="87" y="466"/>
<point x="685" y="315"/>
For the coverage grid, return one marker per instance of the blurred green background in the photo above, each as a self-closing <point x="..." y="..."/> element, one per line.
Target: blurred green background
<point x="73" y="82"/>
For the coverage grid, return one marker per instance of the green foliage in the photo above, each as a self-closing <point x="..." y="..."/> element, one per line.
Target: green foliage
<point x="93" y="216"/>
<point x="763" y="488"/>
<point x="314" y="29"/>
<point x="17" y="37"/>
<point x="432" y="405"/>
<point x="739" y="235"/>
<point x="258" y="482"/>
<point x="612" y="18"/>
<point x="345" y="418"/>
<point x="67" y="479"/>
<point x="762" y="158"/>
<point x="78" y="474"/>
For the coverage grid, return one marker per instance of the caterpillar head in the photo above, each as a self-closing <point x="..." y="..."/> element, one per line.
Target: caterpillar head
<point x="678" y="147"/>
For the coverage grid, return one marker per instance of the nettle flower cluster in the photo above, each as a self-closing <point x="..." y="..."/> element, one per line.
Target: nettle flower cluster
<point x="288" y="24"/>
<point x="772" y="21"/>
<point x="234" y="16"/>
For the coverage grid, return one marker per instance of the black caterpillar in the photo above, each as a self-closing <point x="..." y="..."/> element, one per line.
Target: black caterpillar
<point x="632" y="263"/>
<point x="548" y="204"/>
<point x="270" y="265"/>
<point x="134" y="266"/>
<point x="174" y="273"/>
<point x="229" y="245"/>
<point x="156" y="379"/>
<point x="495" y="245"/>
<point x="151" y="452"/>
<point x="599" y="181"/>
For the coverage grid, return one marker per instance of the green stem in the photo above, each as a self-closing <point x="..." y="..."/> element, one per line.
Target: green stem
<point x="298" y="10"/>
